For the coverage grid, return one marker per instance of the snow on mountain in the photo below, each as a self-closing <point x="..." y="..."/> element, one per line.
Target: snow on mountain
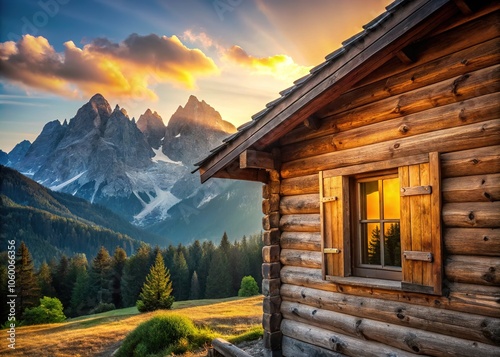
<point x="140" y="170"/>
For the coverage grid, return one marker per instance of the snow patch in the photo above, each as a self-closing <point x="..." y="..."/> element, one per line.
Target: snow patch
<point x="178" y="135"/>
<point x="66" y="183"/>
<point x="209" y="197"/>
<point x="160" y="156"/>
<point x="163" y="201"/>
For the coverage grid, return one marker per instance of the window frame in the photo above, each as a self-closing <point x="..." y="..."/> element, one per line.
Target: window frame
<point x="358" y="268"/>
<point x="339" y="231"/>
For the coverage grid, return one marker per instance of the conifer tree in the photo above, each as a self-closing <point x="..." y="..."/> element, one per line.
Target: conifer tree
<point x="100" y="277"/>
<point x="194" y="291"/>
<point x="61" y="283"/>
<point x="27" y="289"/>
<point x="80" y="299"/>
<point x="134" y="273"/>
<point x="157" y="289"/>
<point x="180" y="277"/>
<point x="45" y="281"/>
<point x="219" y="280"/>
<point x="118" y="264"/>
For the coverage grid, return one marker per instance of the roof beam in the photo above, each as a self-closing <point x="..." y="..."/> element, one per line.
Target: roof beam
<point x="312" y="122"/>
<point x="254" y="159"/>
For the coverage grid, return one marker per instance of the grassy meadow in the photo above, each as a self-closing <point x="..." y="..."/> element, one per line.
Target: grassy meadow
<point x="101" y="334"/>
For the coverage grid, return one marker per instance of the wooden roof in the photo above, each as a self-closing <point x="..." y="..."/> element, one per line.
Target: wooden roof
<point x="386" y="36"/>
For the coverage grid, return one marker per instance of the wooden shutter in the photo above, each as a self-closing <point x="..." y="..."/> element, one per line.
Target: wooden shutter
<point x="334" y="206"/>
<point x="421" y="242"/>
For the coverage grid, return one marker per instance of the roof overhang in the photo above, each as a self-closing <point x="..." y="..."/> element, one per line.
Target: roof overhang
<point x="386" y="36"/>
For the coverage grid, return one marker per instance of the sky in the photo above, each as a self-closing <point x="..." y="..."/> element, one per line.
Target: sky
<point x="237" y="55"/>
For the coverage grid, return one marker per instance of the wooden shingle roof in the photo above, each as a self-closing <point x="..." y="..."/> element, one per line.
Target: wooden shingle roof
<point x="403" y="22"/>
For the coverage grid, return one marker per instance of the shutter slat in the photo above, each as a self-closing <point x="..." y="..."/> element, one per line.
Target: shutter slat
<point x="420" y="226"/>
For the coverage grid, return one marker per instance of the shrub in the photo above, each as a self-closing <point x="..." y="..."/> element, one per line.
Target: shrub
<point x="50" y="310"/>
<point x="103" y="307"/>
<point x="249" y="287"/>
<point x="162" y="335"/>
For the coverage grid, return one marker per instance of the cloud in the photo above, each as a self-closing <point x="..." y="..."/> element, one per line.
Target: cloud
<point x="127" y="69"/>
<point x="279" y="66"/>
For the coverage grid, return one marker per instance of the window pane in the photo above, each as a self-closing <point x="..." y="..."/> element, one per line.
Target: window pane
<point x="392" y="245"/>
<point x="370" y="198"/>
<point x="370" y="244"/>
<point x="391" y="198"/>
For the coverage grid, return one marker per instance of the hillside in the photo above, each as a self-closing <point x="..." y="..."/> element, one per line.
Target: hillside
<point x="101" y="334"/>
<point x="52" y="223"/>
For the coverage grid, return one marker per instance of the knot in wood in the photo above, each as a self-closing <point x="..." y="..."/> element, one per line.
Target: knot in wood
<point x="471" y="216"/>
<point x="465" y="62"/>
<point x="404" y="128"/>
<point x="462" y="115"/>
<point x="396" y="146"/>
<point x="411" y="341"/>
<point x="475" y="161"/>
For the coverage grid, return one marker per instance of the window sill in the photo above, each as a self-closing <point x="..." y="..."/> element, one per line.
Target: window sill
<point x="366" y="282"/>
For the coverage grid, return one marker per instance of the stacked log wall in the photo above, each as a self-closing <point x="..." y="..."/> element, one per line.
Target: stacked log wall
<point x="446" y="101"/>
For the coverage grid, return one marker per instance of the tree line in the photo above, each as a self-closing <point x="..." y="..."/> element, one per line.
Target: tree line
<point x="201" y="270"/>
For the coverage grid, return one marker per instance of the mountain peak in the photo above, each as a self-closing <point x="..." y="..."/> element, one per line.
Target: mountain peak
<point x="151" y="124"/>
<point x="98" y="99"/>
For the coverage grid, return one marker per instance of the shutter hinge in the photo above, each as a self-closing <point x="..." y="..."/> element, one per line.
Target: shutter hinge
<point x="329" y="199"/>
<point x="420" y="256"/>
<point x="416" y="190"/>
<point x="331" y="250"/>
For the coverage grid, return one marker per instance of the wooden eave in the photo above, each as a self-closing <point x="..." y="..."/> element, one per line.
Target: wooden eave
<point x="361" y="55"/>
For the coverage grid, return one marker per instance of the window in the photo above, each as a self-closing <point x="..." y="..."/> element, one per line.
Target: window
<point x="383" y="224"/>
<point x="376" y="237"/>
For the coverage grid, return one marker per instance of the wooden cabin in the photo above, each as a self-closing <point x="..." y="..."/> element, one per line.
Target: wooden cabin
<point x="381" y="172"/>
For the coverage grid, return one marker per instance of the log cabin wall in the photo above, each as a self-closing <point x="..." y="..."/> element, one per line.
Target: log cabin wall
<point x="446" y="101"/>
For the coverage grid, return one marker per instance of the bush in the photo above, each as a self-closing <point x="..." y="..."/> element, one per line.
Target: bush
<point x="49" y="311"/>
<point x="103" y="307"/>
<point x="249" y="287"/>
<point x="163" y="335"/>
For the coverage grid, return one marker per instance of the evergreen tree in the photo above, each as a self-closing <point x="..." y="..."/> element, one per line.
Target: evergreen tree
<point x="157" y="289"/>
<point x="100" y="277"/>
<point x="219" y="280"/>
<point x="134" y="273"/>
<point x="225" y="245"/>
<point x="27" y="289"/>
<point x="180" y="277"/>
<point x="374" y="247"/>
<point x="45" y="281"/>
<point x="118" y="264"/>
<point x="194" y="292"/>
<point x="80" y="298"/>
<point x="392" y="251"/>
<point x="61" y="283"/>
<point x="195" y="253"/>
<point x="204" y="267"/>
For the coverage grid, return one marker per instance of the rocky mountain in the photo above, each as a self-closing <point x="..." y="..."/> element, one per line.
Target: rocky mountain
<point x="152" y="126"/>
<point x="18" y="152"/>
<point x="4" y="157"/>
<point x="196" y="122"/>
<point x="142" y="170"/>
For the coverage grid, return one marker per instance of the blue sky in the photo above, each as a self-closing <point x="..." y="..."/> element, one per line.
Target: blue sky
<point x="234" y="54"/>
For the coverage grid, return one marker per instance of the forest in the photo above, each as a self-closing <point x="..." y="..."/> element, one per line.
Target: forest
<point x="201" y="270"/>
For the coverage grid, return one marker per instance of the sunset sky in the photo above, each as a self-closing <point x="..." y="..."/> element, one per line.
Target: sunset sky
<point x="234" y="54"/>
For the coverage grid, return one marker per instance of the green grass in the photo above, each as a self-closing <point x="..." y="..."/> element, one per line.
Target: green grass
<point x="234" y="319"/>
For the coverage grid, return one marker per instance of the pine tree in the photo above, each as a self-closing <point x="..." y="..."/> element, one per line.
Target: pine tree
<point x="156" y="291"/>
<point x="204" y="267"/>
<point x="45" y="281"/>
<point x="219" y="280"/>
<point x="100" y="277"/>
<point x="180" y="277"/>
<point x="80" y="299"/>
<point x="195" y="253"/>
<point x="134" y="274"/>
<point x="27" y="289"/>
<point x="374" y="249"/>
<point x="61" y="283"/>
<point x="194" y="292"/>
<point x="118" y="264"/>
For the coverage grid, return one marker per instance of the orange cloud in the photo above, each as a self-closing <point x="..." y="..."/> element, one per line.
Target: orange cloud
<point x="280" y="66"/>
<point x="126" y="69"/>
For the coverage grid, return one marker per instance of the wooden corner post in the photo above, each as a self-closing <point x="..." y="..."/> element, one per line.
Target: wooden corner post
<point x="271" y="266"/>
